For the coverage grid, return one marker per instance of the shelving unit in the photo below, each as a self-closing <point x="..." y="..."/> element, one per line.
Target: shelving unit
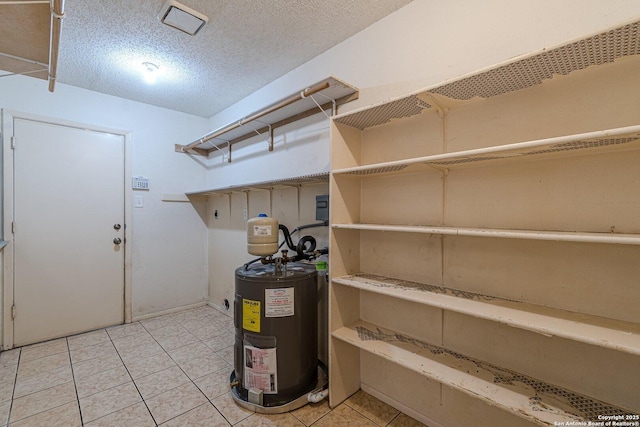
<point x="263" y="185"/>
<point x="484" y="242"/>
<point x="497" y="386"/>
<point x="327" y="94"/>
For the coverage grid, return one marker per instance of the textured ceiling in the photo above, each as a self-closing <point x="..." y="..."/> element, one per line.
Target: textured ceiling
<point x="245" y="45"/>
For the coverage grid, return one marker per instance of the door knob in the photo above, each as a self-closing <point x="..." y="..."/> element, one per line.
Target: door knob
<point x="117" y="227"/>
<point x="117" y="241"/>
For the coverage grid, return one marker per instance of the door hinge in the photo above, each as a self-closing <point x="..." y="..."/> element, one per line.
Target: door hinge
<point x="13" y="227"/>
<point x="13" y="311"/>
<point x="13" y="142"/>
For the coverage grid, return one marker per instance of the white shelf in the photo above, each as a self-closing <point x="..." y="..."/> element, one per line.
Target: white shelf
<point x="558" y="236"/>
<point x="519" y="73"/>
<point x="497" y="386"/>
<point x="551" y="137"/>
<point x="264" y="185"/>
<point x="330" y="93"/>
<point x="593" y="330"/>
<point x="617" y="138"/>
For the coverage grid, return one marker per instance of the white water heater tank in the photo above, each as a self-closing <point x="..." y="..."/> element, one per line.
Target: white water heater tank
<point x="262" y="235"/>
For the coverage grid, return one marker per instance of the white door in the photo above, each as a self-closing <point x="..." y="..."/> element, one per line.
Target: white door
<point x="68" y="230"/>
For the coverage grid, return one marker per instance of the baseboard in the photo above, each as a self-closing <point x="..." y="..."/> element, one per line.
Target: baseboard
<point x="169" y="311"/>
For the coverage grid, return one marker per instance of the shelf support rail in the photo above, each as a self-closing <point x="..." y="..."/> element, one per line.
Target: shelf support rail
<point x="227" y="154"/>
<point x="269" y="141"/>
<point x="190" y="148"/>
<point x="333" y="108"/>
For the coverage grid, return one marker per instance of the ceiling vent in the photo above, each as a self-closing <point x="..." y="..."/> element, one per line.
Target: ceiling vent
<point x="181" y="17"/>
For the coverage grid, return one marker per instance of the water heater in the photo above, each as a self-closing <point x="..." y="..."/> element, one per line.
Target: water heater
<point x="276" y="325"/>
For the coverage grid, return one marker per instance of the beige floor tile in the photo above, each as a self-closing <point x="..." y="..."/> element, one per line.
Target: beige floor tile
<point x="197" y="323"/>
<point x="204" y="365"/>
<point x="48" y="348"/>
<point x="42" y="401"/>
<point x="112" y="400"/>
<point x="5" y="407"/>
<point x="227" y="323"/>
<point x="176" y="341"/>
<point x="275" y="420"/>
<point x="67" y="415"/>
<point x="156" y="323"/>
<point x="142" y="367"/>
<point x="8" y="373"/>
<point x="344" y="416"/>
<point x="208" y="332"/>
<point x="96" y="365"/>
<point x="10" y="357"/>
<point x="230" y="409"/>
<point x="122" y="331"/>
<point x="159" y="382"/>
<point x="312" y="412"/>
<point x="140" y="351"/>
<point x="43" y="364"/>
<point x="170" y="330"/>
<point x="42" y="381"/>
<point x="96" y="383"/>
<point x="189" y="352"/>
<point x="403" y="420"/>
<point x="214" y="384"/>
<point x="6" y="392"/>
<point x="175" y="402"/>
<point x="132" y="416"/>
<point x="220" y="342"/>
<point x="130" y="341"/>
<point x="372" y="408"/>
<point x="87" y="339"/>
<point x="83" y="354"/>
<point x="186" y="316"/>
<point x="227" y="355"/>
<point x="202" y="416"/>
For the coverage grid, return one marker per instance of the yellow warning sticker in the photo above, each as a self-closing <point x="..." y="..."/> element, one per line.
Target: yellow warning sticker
<point x="251" y="315"/>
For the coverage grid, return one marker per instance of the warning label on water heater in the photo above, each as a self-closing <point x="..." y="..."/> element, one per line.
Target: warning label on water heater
<point x="279" y="302"/>
<point x="260" y="369"/>
<point x="251" y="315"/>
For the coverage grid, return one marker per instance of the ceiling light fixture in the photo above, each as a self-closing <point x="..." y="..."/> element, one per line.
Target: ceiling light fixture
<point x="181" y="17"/>
<point x="150" y="72"/>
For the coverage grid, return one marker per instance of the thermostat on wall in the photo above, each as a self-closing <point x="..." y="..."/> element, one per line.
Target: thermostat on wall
<point x="140" y="183"/>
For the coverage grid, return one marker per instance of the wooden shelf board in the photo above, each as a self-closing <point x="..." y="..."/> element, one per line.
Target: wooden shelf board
<point x="558" y="236"/>
<point x="515" y="74"/>
<point x="264" y="185"/>
<point x="519" y="394"/>
<point x="569" y="145"/>
<point x="593" y="330"/>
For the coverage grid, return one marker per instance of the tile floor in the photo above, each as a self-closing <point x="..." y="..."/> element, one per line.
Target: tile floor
<point x="171" y="370"/>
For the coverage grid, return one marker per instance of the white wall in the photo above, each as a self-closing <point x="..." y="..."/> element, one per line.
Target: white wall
<point x="422" y="44"/>
<point x="167" y="239"/>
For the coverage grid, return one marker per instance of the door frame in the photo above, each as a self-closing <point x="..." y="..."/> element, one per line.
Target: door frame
<point x="7" y="133"/>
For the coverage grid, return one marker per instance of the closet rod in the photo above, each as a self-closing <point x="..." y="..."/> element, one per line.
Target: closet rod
<point x="287" y="101"/>
<point x="57" y="14"/>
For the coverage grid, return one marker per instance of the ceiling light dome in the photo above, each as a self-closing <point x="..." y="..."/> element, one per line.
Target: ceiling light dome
<point x="150" y="72"/>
